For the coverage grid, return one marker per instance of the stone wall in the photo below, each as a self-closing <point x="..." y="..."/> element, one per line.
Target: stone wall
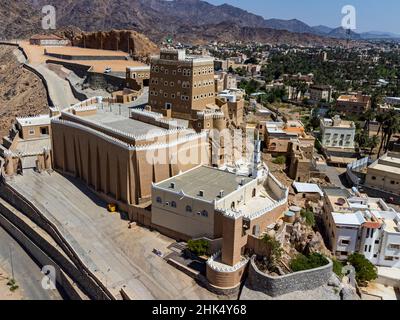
<point x="298" y="281"/>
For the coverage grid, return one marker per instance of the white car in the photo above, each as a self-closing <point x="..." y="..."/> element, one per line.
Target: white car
<point x="107" y="70"/>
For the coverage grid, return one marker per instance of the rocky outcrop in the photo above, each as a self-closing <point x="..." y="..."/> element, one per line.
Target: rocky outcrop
<point x="22" y="93"/>
<point x="134" y="43"/>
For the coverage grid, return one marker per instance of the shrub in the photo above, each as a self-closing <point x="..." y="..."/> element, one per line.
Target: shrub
<point x="275" y="251"/>
<point x="337" y="268"/>
<point x="198" y="247"/>
<point x="365" y="270"/>
<point x="309" y="217"/>
<point x="279" y="160"/>
<point x="302" y="262"/>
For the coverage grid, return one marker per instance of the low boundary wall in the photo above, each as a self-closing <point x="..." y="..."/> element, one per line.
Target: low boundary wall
<point x="298" y="281"/>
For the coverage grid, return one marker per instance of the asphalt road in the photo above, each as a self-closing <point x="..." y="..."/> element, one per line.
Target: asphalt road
<point x="26" y="272"/>
<point x="59" y="89"/>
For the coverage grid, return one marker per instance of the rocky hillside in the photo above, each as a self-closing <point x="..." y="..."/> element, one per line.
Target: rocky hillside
<point x="21" y="92"/>
<point x="185" y="20"/>
<point x="17" y="19"/>
<point x="123" y="40"/>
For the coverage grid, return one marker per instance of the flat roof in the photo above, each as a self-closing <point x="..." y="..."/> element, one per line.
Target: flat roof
<point x="34" y="121"/>
<point x="123" y="124"/>
<point x="351" y="219"/>
<point x="307" y="188"/>
<point x="210" y="180"/>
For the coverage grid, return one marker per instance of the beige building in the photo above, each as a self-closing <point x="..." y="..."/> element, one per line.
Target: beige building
<point x="384" y="173"/>
<point x="137" y="77"/>
<point x="34" y="127"/>
<point x="355" y="104"/>
<point x="120" y="157"/>
<point x="320" y="93"/>
<point x="230" y="211"/>
<point x="300" y="160"/>
<point x="225" y="81"/>
<point x="181" y="83"/>
<point x="48" y="40"/>
<point x="278" y="136"/>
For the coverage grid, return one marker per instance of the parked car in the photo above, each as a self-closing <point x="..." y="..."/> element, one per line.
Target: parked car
<point x="107" y="70"/>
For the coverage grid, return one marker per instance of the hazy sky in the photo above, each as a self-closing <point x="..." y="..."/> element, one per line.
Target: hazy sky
<point x="372" y="15"/>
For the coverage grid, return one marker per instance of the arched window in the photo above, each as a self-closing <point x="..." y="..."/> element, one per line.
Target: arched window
<point x="159" y="200"/>
<point x="233" y="205"/>
<point x="204" y="213"/>
<point x="173" y="204"/>
<point x="254" y="192"/>
<point x="189" y="209"/>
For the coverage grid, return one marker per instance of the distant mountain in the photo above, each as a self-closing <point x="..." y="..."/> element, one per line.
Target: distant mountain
<point x="379" y="35"/>
<point x="342" y="33"/>
<point x="158" y="19"/>
<point x="322" y="30"/>
<point x="293" y="25"/>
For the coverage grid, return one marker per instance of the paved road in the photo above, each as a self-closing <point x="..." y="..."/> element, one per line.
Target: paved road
<point x="119" y="257"/>
<point x="336" y="175"/>
<point x="26" y="271"/>
<point x="59" y="89"/>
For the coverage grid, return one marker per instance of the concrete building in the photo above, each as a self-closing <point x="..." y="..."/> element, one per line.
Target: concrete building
<point x="320" y="93"/>
<point x="384" y="174"/>
<point x="337" y="133"/>
<point x="181" y="83"/>
<point x="48" y="40"/>
<point x="278" y="136"/>
<point x="231" y="211"/>
<point x="355" y="223"/>
<point x="355" y="104"/>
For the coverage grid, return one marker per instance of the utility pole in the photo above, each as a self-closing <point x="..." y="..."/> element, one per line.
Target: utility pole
<point x="12" y="264"/>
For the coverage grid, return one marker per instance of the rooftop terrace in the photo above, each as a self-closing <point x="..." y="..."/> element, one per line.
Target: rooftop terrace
<point x="209" y="180"/>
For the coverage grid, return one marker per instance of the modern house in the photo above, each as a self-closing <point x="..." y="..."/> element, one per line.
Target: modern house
<point x="356" y="223"/>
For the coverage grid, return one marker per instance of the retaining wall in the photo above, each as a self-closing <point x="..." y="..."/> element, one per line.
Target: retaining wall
<point x="77" y="270"/>
<point x="41" y="257"/>
<point x="298" y="281"/>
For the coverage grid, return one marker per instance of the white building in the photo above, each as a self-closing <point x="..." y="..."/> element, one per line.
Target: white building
<point x="364" y="225"/>
<point x="337" y="133"/>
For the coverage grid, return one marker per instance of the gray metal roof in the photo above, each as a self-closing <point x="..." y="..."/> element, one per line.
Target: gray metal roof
<point x="210" y="180"/>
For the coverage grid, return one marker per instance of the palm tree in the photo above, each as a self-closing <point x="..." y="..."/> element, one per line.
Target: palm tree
<point x="392" y="128"/>
<point x="382" y="118"/>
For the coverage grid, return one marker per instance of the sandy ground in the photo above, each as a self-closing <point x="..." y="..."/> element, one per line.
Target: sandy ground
<point x="36" y="57"/>
<point x="5" y="293"/>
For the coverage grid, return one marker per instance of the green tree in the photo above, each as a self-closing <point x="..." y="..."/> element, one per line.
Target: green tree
<point x="198" y="247"/>
<point x="279" y="160"/>
<point x="302" y="262"/>
<point x="275" y="251"/>
<point x="309" y="217"/>
<point x="365" y="270"/>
